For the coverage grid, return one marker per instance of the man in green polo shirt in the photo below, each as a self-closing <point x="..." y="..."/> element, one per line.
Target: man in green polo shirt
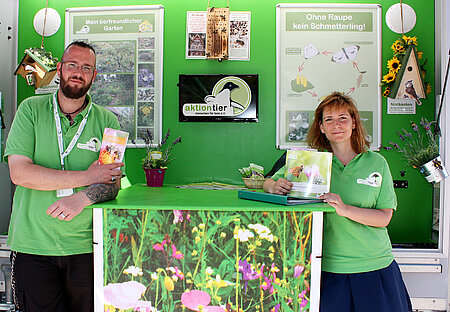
<point x="52" y="151"/>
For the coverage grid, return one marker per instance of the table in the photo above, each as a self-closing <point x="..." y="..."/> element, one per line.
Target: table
<point x="169" y="248"/>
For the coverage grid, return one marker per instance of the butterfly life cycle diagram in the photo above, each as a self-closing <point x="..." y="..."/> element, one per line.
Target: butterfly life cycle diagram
<point x="324" y="48"/>
<point x="344" y="55"/>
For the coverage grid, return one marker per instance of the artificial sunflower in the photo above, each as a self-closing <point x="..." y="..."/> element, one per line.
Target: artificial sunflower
<point x="394" y="64"/>
<point x="419" y="55"/>
<point x="389" y="77"/>
<point x="428" y="88"/>
<point x="398" y="47"/>
<point x="410" y="40"/>
<point x="386" y="91"/>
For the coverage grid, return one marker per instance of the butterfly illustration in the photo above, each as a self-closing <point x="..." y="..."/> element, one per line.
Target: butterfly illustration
<point x="310" y="51"/>
<point x="345" y="54"/>
<point x="296" y="171"/>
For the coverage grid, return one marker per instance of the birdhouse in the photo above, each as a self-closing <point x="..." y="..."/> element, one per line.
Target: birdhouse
<point x="36" y="68"/>
<point x="217" y="33"/>
<point x="409" y="81"/>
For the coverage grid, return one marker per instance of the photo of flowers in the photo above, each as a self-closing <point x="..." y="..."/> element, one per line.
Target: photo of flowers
<point x="178" y="260"/>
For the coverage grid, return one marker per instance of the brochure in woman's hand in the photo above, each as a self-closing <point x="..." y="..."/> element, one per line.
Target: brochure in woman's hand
<point x="309" y="172"/>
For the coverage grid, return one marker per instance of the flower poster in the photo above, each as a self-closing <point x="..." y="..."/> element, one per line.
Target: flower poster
<point x="309" y="172"/>
<point x="128" y="44"/>
<point x="323" y="48"/>
<point x="179" y="260"/>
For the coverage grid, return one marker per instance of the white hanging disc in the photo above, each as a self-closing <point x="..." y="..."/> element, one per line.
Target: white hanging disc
<point x="53" y="22"/>
<point x="394" y="19"/>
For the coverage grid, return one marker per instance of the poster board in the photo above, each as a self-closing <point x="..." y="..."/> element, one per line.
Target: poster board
<point x="239" y="35"/>
<point x="129" y="45"/>
<point x="323" y="48"/>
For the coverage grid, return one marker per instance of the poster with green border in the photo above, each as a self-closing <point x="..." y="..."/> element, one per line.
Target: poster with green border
<point x="176" y="260"/>
<point x="128" y="41"/>
<point x="323" y="48"/>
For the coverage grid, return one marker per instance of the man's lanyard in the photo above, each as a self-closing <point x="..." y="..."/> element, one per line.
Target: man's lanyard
<point x="59" y="132"/>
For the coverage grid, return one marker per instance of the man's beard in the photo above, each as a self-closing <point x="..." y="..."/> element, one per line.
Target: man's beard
<point x="73" y="92"/>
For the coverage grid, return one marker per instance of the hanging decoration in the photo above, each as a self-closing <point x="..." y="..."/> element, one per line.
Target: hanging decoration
<point x="217" y="32"/>
<point x="405" y="76"/>
<point x="38" y="66"/>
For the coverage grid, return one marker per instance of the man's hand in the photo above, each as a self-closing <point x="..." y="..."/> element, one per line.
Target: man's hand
<point x="106" y="174"/>
<point x="68" y="207"/>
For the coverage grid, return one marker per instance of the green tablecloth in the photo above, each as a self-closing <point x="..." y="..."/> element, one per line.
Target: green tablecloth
<point x="140" y="196"/>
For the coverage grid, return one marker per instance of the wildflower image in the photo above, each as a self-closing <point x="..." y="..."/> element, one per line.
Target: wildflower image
<point x="209" y="261"/>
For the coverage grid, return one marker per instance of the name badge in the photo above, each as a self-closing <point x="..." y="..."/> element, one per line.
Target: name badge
<point x="64" y="192"/>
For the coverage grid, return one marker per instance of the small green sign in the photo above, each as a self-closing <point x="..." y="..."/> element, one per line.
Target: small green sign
<point x="329" y="21"/>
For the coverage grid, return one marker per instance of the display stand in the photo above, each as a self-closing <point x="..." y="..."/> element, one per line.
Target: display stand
<point x="168" y="241"/>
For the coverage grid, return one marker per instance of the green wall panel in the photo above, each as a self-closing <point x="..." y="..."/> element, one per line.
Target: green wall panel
<point x="214" y="151"/>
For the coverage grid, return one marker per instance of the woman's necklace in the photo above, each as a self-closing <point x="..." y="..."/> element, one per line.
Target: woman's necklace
<point x="74" y="112"/>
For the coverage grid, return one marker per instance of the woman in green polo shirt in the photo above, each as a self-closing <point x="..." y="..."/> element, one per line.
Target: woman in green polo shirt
<point x="359" y="272"/>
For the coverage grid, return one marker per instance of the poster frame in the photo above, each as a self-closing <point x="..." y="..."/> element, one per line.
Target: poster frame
<point x="377" y="110"/>
<point x="157" y="126"/>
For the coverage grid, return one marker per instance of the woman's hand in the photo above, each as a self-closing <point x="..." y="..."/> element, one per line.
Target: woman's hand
<point x="336" y="202"/>
<point x="367" y="216"/>
<point x="280" y="187"/>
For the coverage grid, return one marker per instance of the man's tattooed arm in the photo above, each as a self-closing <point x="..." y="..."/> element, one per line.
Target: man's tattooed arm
<point x="98" y="193"/>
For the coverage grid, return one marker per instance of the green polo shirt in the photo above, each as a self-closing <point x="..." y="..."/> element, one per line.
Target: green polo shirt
<point x="349" y="246"/>
<point x="33" y="134"/>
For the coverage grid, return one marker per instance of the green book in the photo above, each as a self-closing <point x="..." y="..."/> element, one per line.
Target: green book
<point x="276" y="199"/>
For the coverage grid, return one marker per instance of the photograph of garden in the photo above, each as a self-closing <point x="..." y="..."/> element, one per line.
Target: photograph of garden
<point x="115" y="56"/>
<point x="146" y="114"/>
<point x="146" y="43"/>
<point x="125" y="115"/>
<point x="113" y="90"/>
<point x="146" y="56"/>
<point x="206" y="261"/>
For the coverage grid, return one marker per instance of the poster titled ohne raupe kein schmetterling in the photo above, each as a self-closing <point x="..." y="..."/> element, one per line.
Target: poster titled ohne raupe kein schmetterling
<point x="229" y="98"/>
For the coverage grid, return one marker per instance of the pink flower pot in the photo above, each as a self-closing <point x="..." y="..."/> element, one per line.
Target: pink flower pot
<point x="154" y="177"/>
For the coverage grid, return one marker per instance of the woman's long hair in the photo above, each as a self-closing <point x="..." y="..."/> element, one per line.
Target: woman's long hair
<point x="336" y="100"/>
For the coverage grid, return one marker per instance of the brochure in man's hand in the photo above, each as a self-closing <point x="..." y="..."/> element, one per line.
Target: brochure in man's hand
<point x="113" y="146"/>
<point x="309" y="172"/>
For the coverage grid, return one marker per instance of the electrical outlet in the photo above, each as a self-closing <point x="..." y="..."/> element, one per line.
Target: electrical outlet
<point x="400" y="184"/>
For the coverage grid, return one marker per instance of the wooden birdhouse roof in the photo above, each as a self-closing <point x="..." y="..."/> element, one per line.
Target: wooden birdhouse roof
<point x="26" y="58"/>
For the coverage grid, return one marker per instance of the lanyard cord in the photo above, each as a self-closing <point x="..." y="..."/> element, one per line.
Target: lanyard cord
<point x="62" y="153"/>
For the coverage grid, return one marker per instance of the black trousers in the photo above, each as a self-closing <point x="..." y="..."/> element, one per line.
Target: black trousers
<point x="53" y="284"/>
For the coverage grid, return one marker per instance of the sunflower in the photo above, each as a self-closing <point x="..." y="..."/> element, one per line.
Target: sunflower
<point x="428" y="88"/>
<point x="394" y="64"/>
<point x="398" y="47"/>
<point x="410" y="40"/>
<point x="389" y="77"/>
<point x="386" y="91"/>
<point x="419" y="55"/>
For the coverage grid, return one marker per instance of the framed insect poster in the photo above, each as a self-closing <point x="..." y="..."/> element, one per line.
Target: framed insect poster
<point x="323" y="48"/>
<point x="128" y="41"/>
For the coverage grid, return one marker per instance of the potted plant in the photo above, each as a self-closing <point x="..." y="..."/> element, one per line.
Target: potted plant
<point x="157" y="157"/>
<point x="420" y="148"/>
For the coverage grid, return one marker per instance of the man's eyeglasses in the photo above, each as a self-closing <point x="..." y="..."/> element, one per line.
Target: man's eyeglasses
<point x="74" y="66"/>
